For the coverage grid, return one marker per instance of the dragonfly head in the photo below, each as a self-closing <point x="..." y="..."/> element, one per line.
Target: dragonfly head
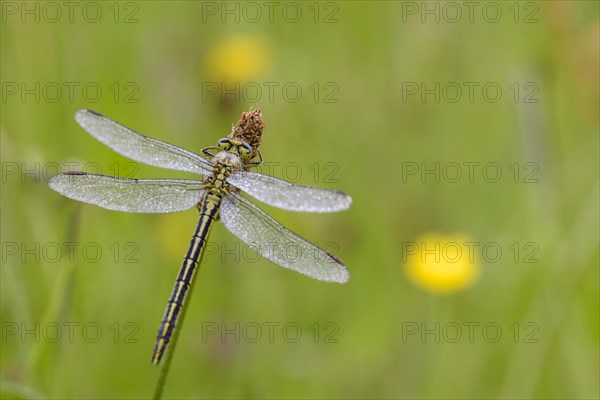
<point x="243" y="149"/>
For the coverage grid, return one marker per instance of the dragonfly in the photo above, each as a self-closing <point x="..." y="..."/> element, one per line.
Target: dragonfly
<point x="226" y="174"/>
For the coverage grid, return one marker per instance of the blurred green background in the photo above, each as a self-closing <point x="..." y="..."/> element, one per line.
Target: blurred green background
<point x="364" y="99"/>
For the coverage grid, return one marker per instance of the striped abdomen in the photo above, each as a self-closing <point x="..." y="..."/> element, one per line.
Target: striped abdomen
<point x="209" y="207"/>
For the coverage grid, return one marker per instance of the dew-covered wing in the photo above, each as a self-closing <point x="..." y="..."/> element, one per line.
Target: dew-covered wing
<point x="139" y="147"/>
<point x="277" y="243"/>
<point x="129" y="195"/>
<point x="289" y="196"/>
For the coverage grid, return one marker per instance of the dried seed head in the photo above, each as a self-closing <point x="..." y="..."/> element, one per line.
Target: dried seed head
<point x="249" y="128"/>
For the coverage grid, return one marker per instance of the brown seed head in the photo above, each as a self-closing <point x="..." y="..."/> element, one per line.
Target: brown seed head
<point x="249" y="128"/>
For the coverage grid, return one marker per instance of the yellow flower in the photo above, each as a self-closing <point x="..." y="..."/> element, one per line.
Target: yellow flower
<point x="238" y="59"/>
<point x="442" y="263"/>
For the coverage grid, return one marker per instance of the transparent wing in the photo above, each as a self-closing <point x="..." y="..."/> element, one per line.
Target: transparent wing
<point x="139" y="147"/>
<point x="129" y="195"/>
<point x="278" y="244"/>
<point x="289" y="196"/>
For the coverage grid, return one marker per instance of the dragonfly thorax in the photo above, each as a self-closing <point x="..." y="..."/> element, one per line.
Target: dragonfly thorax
<point x="236" y="146"/>
<point x="225" y="162"/>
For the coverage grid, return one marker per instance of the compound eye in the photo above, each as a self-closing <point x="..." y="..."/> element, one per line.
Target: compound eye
<point x="223" y="144"/>
<point x="245" y="151"/>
